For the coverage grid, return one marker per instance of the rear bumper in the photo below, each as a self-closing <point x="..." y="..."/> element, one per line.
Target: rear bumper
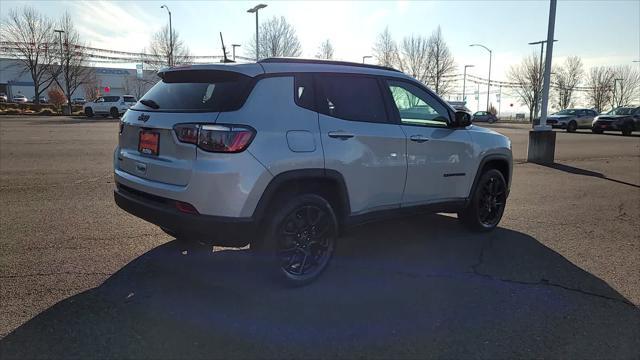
<point x="606" y="126"/>
<point x="216" y="230"/>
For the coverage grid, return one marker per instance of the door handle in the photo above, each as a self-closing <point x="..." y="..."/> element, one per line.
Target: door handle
<point x="340" y="135"/>
<point x="418" y="138"/>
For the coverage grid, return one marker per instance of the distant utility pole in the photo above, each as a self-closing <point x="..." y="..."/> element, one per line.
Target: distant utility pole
<point x="488" y="80"/>
<point x="365" y="57"/>
<point x="464" y="81"/>
<point x="170" y="36"/>
<point x="234" y="46"/>
<point x="478" y="96"/>
<point x="536" y="94"/>
<point x="615" y="87"/>
<point x="499" y="101"/>
<point x="255" y="10"/>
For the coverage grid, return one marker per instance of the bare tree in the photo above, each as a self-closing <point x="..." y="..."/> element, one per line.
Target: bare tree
<point x="527" y="75"/>
<point x="31" y="39"/>
<point x="414" y="58"/>
<point x="566" y="78"/>
<point x="385" y="49"/>
<point x="441" y="66"/>
<point x="627" y="85"/>
<point x="138" y="86"/>
<point x="90" y="86"/>
<point x="168" y="50"/>
<point x="277" y="39"/>
<point x="325" y="51"/>
<point x="73" y="70"/>
<point x="600" y="83"/>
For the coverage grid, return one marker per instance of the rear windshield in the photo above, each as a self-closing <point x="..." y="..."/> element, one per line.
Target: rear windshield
<point x="197" y="91"/>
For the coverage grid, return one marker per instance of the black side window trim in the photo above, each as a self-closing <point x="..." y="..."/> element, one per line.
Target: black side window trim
<point x="319" y="92"/>
<point x="395" y="111"/>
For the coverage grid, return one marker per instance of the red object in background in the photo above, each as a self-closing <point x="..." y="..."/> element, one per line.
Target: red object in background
<point x="107" y="89"/>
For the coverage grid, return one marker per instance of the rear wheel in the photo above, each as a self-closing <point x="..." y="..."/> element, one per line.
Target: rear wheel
<point x="114" y="113"/>
<point x="484" y="211"/>
<point x="88" y="111"/>
<point x="300" y="239"/>
<point x="627" y="129"/>
<point x="572" y="126"/>
<point x="596" y="131"/>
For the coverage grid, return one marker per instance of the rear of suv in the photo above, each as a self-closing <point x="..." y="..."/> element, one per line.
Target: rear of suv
<point x="284" y="154"/>
<point x="113" y="106"/>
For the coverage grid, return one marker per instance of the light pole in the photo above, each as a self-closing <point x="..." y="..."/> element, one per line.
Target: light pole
<point x="464" y="82"/>
<point x="170" y="36"/>
<point x="365" y="57"/>
<point x="535" y="96"/>
<point x="499" y="101"/>
<point x="255" y="10"/>
<point x="489" y="80"/>
<point x="61" y="61"/>
<point x="615" y="100"/>
<point x="233" y="47"/>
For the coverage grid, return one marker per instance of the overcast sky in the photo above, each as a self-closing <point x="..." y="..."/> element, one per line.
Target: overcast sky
<point x="600" y="32"/>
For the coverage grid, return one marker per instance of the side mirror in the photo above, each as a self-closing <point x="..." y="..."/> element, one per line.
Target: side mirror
<point x="462" y="119"/>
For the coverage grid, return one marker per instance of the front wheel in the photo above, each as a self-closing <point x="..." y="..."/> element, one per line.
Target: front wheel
<point x="627" y="129"/>
<point x="572" y="126"/>
<point x="88" y="111"/>
<point x="300" y="239"/>
<point x="596" y="131"/>
<point x="484" y="211"/>
<point x="114" y="113"/>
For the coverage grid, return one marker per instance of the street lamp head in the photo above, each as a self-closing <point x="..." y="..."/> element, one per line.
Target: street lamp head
<point x="256" y="8"/>
<point x="59" y="31"/>
<point x="469" y="66"/>
<point x="236" y="45"/>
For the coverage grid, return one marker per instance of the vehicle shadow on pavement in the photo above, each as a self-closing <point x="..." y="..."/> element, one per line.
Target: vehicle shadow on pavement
<point x="579" y="171"/>
<point x="410" y="288"/>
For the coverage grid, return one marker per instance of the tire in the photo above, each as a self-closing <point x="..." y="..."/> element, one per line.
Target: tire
<point x="300" y="239"/>
<point x="114" y="113"/>
<point x="484" y="211"/>
<point x="627" y="129"/>
<point x="572" y="126"/>
<point x="596" y="131"/>
<point x="89" y="112"/>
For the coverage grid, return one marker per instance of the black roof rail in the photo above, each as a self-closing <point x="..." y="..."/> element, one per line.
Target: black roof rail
<point x="285" y="60"/>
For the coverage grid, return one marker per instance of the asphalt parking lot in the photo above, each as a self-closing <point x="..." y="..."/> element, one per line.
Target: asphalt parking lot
<point x="82" y="279"/>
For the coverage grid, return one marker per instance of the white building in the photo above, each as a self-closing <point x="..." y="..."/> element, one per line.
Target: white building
<point x="14" y="80"/>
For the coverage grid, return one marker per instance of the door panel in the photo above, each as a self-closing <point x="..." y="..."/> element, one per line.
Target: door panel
<point x="371" y="161"/>
<point x="439" y="168"/>
<point x="360" y="142"/>
<point x="438" y="157"/>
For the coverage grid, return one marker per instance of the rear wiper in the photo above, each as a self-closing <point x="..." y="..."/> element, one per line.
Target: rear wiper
<point x="150" y="103"/>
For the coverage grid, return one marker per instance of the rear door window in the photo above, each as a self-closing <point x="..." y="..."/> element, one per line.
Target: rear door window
<point x="111" y="98"/>
<point x="197" y="91"/>
<point x="351" y="97"/>
<point x="129" y="99"/>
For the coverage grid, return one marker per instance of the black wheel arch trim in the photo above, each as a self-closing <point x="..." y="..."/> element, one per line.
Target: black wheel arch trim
<point x="277" y="183"/>
<point x="483" y="162"/>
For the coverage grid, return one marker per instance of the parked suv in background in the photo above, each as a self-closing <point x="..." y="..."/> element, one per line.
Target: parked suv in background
<point x="484" y="116"/>
<point x="625" y="119"/>
<point x="284" y="154"/>
<point x="4" y="98"/>
<point x="572" y="119"/>
<point x="109" y="105"/>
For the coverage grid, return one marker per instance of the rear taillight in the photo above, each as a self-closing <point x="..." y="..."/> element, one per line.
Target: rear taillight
<point x="216" y="138"/>
<point x="121" y="127"/>
<point x="187" y="133"/>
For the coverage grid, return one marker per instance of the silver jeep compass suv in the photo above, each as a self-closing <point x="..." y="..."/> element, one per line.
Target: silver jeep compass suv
<point x="284" y="154"/>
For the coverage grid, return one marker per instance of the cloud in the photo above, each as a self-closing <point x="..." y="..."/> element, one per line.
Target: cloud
<point x="112" y="25"/>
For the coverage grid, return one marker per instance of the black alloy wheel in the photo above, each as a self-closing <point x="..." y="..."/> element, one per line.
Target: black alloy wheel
<point x="485" y="209"/>
<point x="492" y="199"/>
<point x="305" y="242"/>
<point x="572" y="126"/>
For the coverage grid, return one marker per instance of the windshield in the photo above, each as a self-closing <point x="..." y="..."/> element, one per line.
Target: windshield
<point x="197" y="91"/>
<point x="566" y="112"/>
<point x="621" y="111"/>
